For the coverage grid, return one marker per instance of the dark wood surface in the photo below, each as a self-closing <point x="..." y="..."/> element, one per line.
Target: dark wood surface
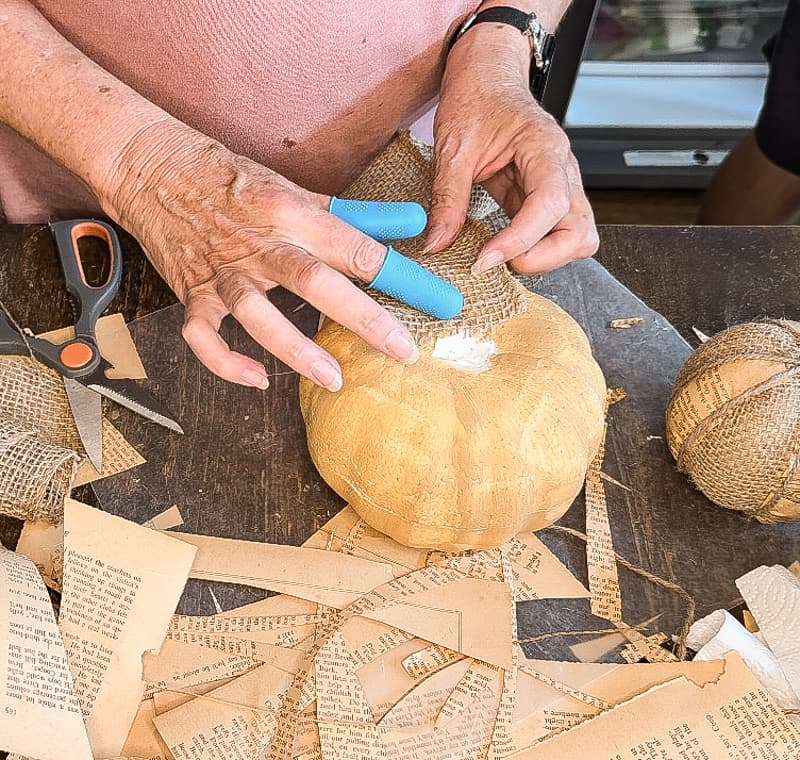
<point x="242" y="469"/>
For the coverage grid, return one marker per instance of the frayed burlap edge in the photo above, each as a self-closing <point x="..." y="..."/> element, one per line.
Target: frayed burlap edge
<point x="39" y="444"/>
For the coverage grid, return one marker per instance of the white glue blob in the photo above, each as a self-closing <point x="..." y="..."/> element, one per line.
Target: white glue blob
<point x="465" y="352"/>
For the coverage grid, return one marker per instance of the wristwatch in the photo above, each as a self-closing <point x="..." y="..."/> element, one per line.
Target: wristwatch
<point x="542" y="42"/>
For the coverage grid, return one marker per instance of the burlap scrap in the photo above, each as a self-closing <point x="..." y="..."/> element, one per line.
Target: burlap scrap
<point x="734" y="455"/>
<point x="39" y="444"/>
<point x="402" y="172"/>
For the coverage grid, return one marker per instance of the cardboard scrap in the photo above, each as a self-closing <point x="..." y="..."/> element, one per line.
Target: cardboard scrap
<point x="115" y="344"/>
<point x="329" y="578"/>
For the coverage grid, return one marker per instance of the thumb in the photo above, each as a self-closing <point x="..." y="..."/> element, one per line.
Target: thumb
<point x="450" y="194"/>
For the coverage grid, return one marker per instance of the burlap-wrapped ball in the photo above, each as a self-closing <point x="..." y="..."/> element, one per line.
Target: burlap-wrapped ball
<point x="733" y="421"/>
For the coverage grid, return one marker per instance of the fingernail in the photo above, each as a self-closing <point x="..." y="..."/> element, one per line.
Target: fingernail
<point x="327" y="375"/>
<point x="489" y="260"/>
<point x="256" y="379"/>
<point x="434" y="237"/>
<point x="401" y="346"/>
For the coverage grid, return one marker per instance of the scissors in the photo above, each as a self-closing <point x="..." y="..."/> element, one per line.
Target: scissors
<point x="79" y="361"/>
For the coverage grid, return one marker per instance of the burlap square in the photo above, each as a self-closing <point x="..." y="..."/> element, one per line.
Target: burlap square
<point x="404" y="172"/>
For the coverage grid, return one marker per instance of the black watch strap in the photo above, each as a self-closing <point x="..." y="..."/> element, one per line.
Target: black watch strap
<point x="519" y="20"/>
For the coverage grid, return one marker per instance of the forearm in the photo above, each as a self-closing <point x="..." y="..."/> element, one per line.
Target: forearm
<point x="63" y="102"/>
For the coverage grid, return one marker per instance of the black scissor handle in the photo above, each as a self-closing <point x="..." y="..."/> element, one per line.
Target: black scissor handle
<point x="90" y="301"/>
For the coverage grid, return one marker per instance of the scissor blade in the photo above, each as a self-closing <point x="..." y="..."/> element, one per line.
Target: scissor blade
<point x="87" y="410"/>
<point x="130" y="395"/>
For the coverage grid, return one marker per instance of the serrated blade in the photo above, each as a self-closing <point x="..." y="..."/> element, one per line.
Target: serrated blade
<point x="128" y="394"/>
<point x="87" y="411"/>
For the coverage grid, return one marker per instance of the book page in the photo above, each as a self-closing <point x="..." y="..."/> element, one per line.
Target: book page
<point x="122" y="582"/>
<point x="143" y="740"/>
<point x="732" y="718"/>
<point x="36" y="689"/>
<point x="43" y="542"/>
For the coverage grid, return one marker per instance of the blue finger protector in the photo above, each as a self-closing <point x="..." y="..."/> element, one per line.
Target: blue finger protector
<point x="382" y="220"/>
<point x="406" y="281"/>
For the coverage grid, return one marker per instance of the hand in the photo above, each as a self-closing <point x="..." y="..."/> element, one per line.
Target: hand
<point x="489" y="129"/>
<point x="223" y="230"/>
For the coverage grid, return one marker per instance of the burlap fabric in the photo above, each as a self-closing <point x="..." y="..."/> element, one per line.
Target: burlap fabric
<point x="38" y="441"/>
<point x="404" y="172"/>
<point x="746" y="454"/>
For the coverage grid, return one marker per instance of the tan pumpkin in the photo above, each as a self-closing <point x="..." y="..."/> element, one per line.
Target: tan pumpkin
<point x="447" y="456"/>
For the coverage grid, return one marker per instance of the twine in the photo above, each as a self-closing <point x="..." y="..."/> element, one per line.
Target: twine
<point x="680" y="644"/>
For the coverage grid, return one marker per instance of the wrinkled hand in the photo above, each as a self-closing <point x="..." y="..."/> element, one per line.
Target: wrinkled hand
<point x="223" y="230"/>
<point x="489" y="129"/>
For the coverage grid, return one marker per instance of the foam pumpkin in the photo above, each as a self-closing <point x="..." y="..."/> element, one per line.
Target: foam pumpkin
<point x="489" y="434"/>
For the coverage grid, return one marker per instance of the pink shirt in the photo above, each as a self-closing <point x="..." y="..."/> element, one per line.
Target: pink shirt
<point x="313" y="90"/>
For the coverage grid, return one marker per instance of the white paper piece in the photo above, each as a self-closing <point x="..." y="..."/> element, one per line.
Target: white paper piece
<point x="713" y="636"/>
<point x="773" y="596"/>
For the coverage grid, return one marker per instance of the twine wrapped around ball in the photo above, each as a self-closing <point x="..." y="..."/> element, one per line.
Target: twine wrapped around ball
<point x="733" y="420"/>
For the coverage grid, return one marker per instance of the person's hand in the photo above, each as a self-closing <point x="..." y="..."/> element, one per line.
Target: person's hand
<point x="489" y="129"/>
<point x="223" y="230"/>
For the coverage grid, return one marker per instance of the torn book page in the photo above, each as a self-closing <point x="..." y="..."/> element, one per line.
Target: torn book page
<point x="732" y="718"/>
<point x="121" y="585"/>
<point x="39" y="713"/>
<point x="329" y="578"/>
<point x="178" y="666"/>
<point x="347" y="729"/>
<point x="554" y="697"/>
<point x="606" y="600"/>
<point x="213" y="730"/>
<point x="118" y="456"/>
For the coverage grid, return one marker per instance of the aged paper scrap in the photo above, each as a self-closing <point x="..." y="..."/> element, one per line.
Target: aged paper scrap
<point x="555" y="696"/>
<point x="214" y="730"/>
<point x="43" y="543"/>
<point x="143" y="739"/>
<point x="169" y="518"/>
<point x="330" y="578"/>
<point x="39" y="713"/>
<point x="468" y="615"/>
<point x="730" y="719"/>
<point x="772" y="594"/>
<point x="122" y="582"/>
<point x="346" y="725"/>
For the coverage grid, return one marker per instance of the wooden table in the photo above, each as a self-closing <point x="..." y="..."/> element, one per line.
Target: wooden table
<point x="243" y="471"/>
